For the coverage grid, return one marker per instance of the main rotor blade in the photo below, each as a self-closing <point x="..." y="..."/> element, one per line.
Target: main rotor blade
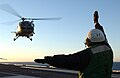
<point x="11" y="22"/>
<point x="9" y="9"/>
<point x="3" y="59"/>
<point x="57" y="18"/>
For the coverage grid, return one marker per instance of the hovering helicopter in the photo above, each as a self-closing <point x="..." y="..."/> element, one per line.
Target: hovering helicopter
<point x="25" y="28"/>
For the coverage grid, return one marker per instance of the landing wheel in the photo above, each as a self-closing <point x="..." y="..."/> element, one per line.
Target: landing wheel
<point x="31" y="39"/>
<point x="14" y="39"/>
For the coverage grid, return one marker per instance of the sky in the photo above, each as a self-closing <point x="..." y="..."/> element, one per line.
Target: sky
<point x="65" y="36"/>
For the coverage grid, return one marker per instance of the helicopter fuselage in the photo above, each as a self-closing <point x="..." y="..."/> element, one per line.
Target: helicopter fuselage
<point x="25" y="29"/>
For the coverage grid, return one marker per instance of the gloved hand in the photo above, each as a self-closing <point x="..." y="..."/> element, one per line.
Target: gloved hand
<point x="45" y="60"/>
<point x="39" y="60"/>
<point x="96" y="16"/>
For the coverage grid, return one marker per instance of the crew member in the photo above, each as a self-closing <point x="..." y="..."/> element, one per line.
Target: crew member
<point x="93" y="62"/>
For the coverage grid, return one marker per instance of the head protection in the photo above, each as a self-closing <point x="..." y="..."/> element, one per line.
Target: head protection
<point x="96" y="35"/>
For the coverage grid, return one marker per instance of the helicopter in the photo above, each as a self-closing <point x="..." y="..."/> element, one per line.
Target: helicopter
<point x="25" y="27"/>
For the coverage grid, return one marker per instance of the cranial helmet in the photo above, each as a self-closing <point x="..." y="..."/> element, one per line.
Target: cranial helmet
<point x="96" y="35"/>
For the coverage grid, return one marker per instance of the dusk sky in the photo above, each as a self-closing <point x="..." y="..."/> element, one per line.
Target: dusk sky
<point x="65" y="36"/>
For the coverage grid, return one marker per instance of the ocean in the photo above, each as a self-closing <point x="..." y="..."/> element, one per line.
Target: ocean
<point x="116" y="65"/>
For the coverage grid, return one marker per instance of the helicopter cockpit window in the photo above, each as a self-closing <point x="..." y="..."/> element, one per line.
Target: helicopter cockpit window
<point x="24" y="23"/>
<point x="27" y="26"/>
<point x="20" y="23"/>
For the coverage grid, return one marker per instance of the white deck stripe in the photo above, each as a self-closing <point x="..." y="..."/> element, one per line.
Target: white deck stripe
<point x="55" y="70"/>
<point x="17" y="76"/>
<point x="20" y="76"/>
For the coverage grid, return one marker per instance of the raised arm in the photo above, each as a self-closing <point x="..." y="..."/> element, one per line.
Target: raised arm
<point x="98" y="26"/>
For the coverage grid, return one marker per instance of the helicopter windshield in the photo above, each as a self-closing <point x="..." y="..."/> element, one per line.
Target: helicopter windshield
<point x="26" y="26"/>
<point x="25" y="23"/>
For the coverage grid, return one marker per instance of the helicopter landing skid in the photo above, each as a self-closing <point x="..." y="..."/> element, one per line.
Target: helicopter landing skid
<point x="18" y="36"/>
<point x="15" y="38"/>
<point x="30" y="39"/>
